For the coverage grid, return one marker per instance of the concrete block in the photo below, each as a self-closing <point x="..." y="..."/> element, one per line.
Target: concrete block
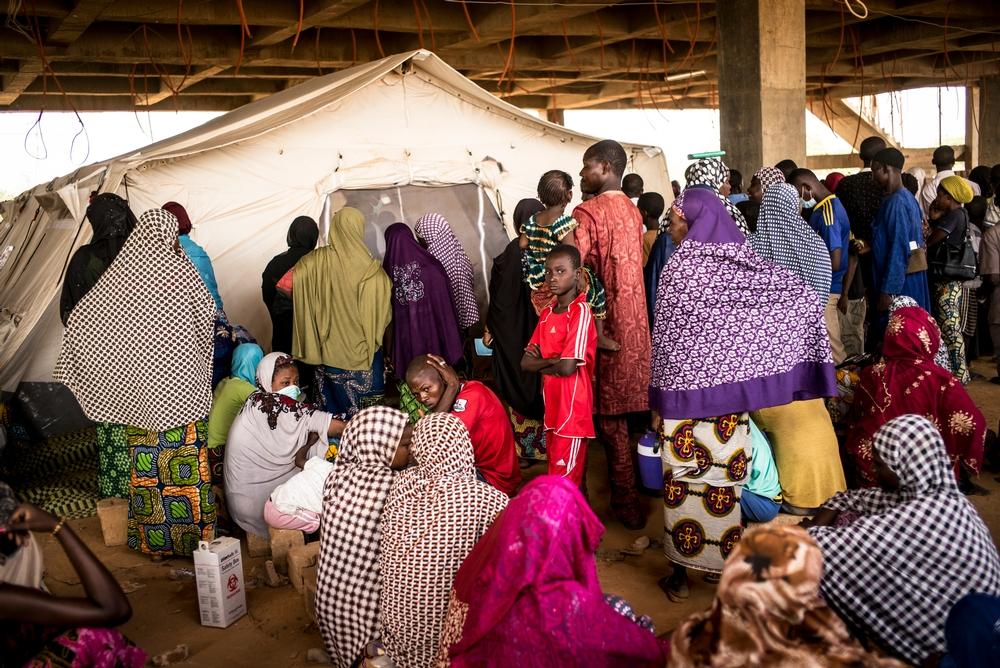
<point x="301" y="557"/>
<point x="258" y="546"/>
<point x="309" y="591"/>
<point x="113" y="514"/>
<point x="283" y="540"/>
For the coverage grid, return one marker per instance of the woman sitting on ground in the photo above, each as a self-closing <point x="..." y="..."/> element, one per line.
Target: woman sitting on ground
<point x="271" y="439"/>
<point x="39" y="629"/>
<point x="768" y="611"/>
<point x="230" y="396"/>
<point x="375" y="444"/>
<point x="529" y="589"/>
<point x="908" y="380"/>
<point x="917" y="548"/>
<point x="433" y="516"/>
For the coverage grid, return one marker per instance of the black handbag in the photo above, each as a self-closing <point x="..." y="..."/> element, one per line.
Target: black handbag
<point x="954" y="263"/>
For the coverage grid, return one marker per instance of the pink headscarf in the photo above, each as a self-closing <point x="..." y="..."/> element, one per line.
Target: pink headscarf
<point x="529" y="589"/>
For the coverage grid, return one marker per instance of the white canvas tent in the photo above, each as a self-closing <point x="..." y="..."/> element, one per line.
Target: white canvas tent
<point x="398" y="138"/>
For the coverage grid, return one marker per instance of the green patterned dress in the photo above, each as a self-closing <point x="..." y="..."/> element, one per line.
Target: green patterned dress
<point x="114" y="465"/>
<point x="172" y="504"/>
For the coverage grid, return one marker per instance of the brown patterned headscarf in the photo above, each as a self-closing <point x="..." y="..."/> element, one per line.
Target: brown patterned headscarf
<point x="768" y="612"/>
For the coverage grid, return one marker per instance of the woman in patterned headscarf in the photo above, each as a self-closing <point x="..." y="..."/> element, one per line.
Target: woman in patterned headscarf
<point x="441" y="241"/>
<point x="149" y="320"/>
<point x="768" y="611"/>
<point x="712" y="174"/>
<point x="341" y="309"/>
<point x="433" y="517"/>
<point x="732" y="333"/>
<point x="375" y="444"/>
<point x="112" y="222"/>
<point x="783" y="237"/>
<point x="423" y="314"/>
<point x="918" y="547"/>
<point x="908" y="380"/>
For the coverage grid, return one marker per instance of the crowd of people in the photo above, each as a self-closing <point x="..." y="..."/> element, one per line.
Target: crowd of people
<point x="801" y="348"/>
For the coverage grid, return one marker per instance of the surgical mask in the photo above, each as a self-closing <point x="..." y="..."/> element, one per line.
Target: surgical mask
<point x="808" y="203"/>
<point x="292" y="392"/>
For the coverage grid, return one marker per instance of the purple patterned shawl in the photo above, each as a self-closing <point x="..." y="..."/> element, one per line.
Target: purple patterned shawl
<point x="732" y="332"/>
<point x="423" y="315"/>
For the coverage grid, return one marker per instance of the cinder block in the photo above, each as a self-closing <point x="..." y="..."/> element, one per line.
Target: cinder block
<point x="300" y="558"/>
<point x="309" y="591"/>
<point x="283" y="540"/>
<point x="258" y="546"/>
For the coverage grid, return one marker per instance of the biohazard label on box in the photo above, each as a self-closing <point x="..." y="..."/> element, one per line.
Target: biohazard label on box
<point x="219" y="575"/>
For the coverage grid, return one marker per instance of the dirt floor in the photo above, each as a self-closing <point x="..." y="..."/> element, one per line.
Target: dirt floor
<point x="277" y="631"/>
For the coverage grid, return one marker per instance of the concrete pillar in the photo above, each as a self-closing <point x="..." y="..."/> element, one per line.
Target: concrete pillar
<point x="972" y="124"/>
<point x="762" y="82"/>
<point x="989" y="128"/>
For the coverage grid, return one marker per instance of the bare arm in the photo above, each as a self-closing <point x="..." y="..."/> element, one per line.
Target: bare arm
<point x="534" y="362"/>
<point x="852" y="268"/>
<point x="835" y="259"/>
<point x="105" y="604"/>
<point x="336" y="428"/>
<point x="937" y="236"/>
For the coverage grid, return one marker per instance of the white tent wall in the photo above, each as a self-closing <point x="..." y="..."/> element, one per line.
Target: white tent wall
<point x="405" y="120"/>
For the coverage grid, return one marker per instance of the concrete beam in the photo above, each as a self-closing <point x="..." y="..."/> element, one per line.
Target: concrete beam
<point x="174" y="85"/>
<point x="68" y="28"/>
<point x="124" y="103"/>
<point x="849" y="125"/>
<point x="914" y="157"/>
<point x="316" y="12"/>
<point x="15" y="84"/>
<point x="972" y="105"/>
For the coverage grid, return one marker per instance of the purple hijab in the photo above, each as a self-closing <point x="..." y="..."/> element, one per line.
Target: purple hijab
<point x="732" y="332"/>
<point x="423" y="315"/>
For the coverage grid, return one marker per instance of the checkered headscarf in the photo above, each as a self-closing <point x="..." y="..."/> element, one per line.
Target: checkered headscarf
<point x="769" y="176"/>
<point x="138" y="347"/>
<point x="347" y="586"/>
<point x="433" y="517"/>
<point x="712" y="173"/>
<point x="898" y="570"/>
<point x="445" y="246"/>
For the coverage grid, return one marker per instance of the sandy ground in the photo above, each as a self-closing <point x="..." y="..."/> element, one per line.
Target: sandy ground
<point x="277" y="631"/>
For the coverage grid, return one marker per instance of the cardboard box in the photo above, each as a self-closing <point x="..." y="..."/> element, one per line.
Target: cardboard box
<point x="218" y="568"/>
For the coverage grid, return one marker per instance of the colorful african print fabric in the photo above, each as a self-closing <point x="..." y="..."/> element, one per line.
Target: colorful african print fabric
<point x="172" y="506"/>
<point x="705" y="463"/>
<point x="529" y="436"/>
<point x="345" y="392"/>
<point x="948" y="313"/>
<point x="113" y="473"/>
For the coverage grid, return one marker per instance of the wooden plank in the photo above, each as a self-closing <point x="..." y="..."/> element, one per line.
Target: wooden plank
<point x="78" y="19"/>
<point x="316" y="12"/>
<point x="848" y="124"/>
<point x="173" y="85"/>
<point x="15" y="84"/>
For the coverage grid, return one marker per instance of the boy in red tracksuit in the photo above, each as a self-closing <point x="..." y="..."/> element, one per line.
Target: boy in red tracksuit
<point x="563" y="349"/>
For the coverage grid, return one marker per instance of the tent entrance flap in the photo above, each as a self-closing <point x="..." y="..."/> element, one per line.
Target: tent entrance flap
<point x="467" y="208"/>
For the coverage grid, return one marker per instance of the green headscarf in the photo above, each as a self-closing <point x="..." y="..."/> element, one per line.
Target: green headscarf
<point x="341" y="299"/>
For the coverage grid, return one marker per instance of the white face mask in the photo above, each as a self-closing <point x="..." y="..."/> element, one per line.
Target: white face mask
<point x="808" y="203"/>
<point x="292" y="392"/>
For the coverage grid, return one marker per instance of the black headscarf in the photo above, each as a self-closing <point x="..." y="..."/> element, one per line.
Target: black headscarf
<point x="112" y="222"/>
<point x="302" y="236"/>
<point x="512" y="320"/>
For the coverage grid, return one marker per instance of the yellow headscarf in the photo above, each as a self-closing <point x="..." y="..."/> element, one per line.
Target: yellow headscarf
<point x="958" y="188"/>
<point x="341" y="299"/>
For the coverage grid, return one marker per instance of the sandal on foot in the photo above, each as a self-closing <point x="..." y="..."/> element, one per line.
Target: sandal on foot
<point x="676" y="591"/>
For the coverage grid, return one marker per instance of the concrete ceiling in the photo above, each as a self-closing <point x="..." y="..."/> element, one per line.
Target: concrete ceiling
<point x="100" y="55"/>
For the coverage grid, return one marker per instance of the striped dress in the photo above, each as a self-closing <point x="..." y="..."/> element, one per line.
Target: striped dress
<point x="541" y="241"/>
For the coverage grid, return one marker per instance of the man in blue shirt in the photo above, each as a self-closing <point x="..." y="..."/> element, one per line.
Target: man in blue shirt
<point x="829" y="220"/>
<point x="899" y="254"/>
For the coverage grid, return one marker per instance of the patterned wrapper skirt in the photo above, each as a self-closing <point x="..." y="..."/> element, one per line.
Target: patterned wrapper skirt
<point x="529" y="436"/>
<point x="346" y="392"/>
<point x="172" y="504"/>
<point x="113" y="470"/>
<point x="705" y="463"/>
<point x="948" y="313"/>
